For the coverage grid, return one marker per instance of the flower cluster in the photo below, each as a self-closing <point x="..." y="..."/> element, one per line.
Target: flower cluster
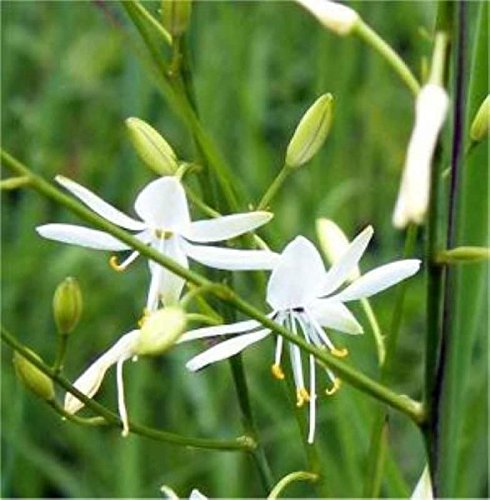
<point x="304" y="297"/>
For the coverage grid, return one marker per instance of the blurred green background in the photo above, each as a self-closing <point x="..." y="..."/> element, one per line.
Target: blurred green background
<point x="70" y="77"/>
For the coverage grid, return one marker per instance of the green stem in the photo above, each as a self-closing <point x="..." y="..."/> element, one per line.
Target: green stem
<point x="291" y="478"/>
<point x="60" y="356"/>
<point x="377" y="454"/>
<point x="14" y="183"/>
<point x="242" y="443"/>
<point x="349" y="374"/>
<point x="91" y="422"/>
<point x="274" y="187"/>
<point x="377" y="334"/>
<point x="368" y="35"/>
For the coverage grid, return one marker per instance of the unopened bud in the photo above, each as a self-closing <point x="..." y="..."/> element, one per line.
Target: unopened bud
<point x="151" y="147"/>
<point x="481" y="122"/>
<point x="67" y="305"/>
<point x="33" y="378"/>
<point x="176" y="16"/>
<point x="334" y="243"/>
<point x="311" y="132"/>
<point x="336" y="17"/>
<point x="160" y="331"/>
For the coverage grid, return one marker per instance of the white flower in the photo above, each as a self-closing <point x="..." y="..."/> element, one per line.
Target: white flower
<point x="413" y="198"/>
<point x="302" y="296"/>
<point x="423" y="490"/>
<point x="166" y="226"/>
<point x="334" y="16"/>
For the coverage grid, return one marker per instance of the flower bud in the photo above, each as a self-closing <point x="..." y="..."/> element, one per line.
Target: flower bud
<point x="33" y="378"/>
<point x="311" y="132"/>
<point x="334" y="16"/>
<point x="176" y="16"/>
<point x="160" y="331"/>
<point x="481" y="122"/>
<point x="151" y="147"/>
<point x="334" y="243"/>
<point x="67" y="305"/>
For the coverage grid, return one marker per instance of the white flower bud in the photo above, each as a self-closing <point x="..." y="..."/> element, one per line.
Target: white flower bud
<point x="334" y="16"/>
<point x="334" y="243"/>
<point x="413" y="198"/>
<point x="160" y="331"/>
<point x="151" y="147"/>
<point x="311" y="132"/>
<point x="481" y="122"/>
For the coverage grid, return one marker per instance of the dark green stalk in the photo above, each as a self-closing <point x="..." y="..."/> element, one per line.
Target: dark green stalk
<point x="350" y="375"/>
<point x="242" y="443"/>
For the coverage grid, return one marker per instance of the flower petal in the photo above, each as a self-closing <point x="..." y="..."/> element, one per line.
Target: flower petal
<point x="90" y="380"/>
<point x="231" y="259"/>
<point x="341" y="270"/>
<point x="225" y="349"/>
<point x="296" y="278"/>
<point x="162" y="204"/>
<point x="214" y="331"/>
<point x="165" y="283"/>
<point x="423" y="489"/>
<point x="223" y="228"/>
<point x="334" y="315"/>
<point x="99" y="206"/>
<point x="82" y="236"/>
<point x="379" y="279"/>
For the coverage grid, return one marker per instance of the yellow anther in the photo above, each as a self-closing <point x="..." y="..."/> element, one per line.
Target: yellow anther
<point x="277" y="372"/>
<point x="113" y="263"/>
<point x="302" y="397"/>
<point x="339" y="353"/>
<point x="143" y="318"/>
<point x="335" y="387"/>
<point x="163" y="235"/>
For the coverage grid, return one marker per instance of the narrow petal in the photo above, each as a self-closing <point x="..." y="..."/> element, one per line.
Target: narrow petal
<point x="99" y="206"/>
<point x="231" y="259"/>
<point x="90" y="380"/>
<point x="423" y="489"/>
<point x="334" y="315"/>
<point x="379" y="279"/>
<point x="121" y="400"/>
<point x="162" y="204"/>
<point x="81" y="236"/>
<point x="224" y="228"/>
<point x="296" y="278"/>
<point x="341" y="270"/>
<point x="225" y="349"/>
<point x="312" y="403"/>
<point x="214" y="331"/>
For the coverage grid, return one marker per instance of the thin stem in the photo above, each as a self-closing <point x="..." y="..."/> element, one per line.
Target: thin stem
<point x="91" y="422"/>
<point x="291" y="478"/>
<point x="14" y="183"/>
<point x="377" y="455"/>
<point x="274" y="187"/>
<point x="60" y="356"/>
<point x="242" y="443"/>
<point x="368" y="35"/>
<point x="377" y="334"/>
<point x="224" y="293"/>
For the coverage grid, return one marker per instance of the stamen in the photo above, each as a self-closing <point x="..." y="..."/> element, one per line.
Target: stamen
<point x="163" y="235"/>
<point x="277" y="371"/>
<point x="302" y="396"/>
<point x="113" y="263"/>
<point x="335" y="387"/>
<point x="121" y="267"/>
<point x="339" y="353"/>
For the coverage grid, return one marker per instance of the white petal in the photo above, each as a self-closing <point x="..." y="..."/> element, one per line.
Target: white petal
<point x="379" y="279"/>
<point x="214" y="331"/>
<point x="99" y="206"/>
<point x="223" y="228"/>
<point x="82" y="236"/>
<point x="312" y="405"/>
<point x="168" y="284"/>
<point x="334" y="315"/>
<point x="162" y="204"/>
<point x="423" y="490"/>
<point x="121" y="400"/>
<point x="225" y="349"/>
<point x="197" y="495"/>
<point x="297" y="276"/>
<point x="341" y="270"/>
<point x="90" y="380"/>
<point x="231" y="259"/>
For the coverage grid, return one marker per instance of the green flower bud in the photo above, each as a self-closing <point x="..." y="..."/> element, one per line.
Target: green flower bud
<point x="481" y="122"/>
<point x="33" y="378"/>
<point x="67" y="305"/>
<point x="151" y="147"/>
<point x="311" y="132"/>
<point x="160" y="331"/>
<point x="176" y="16"/>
